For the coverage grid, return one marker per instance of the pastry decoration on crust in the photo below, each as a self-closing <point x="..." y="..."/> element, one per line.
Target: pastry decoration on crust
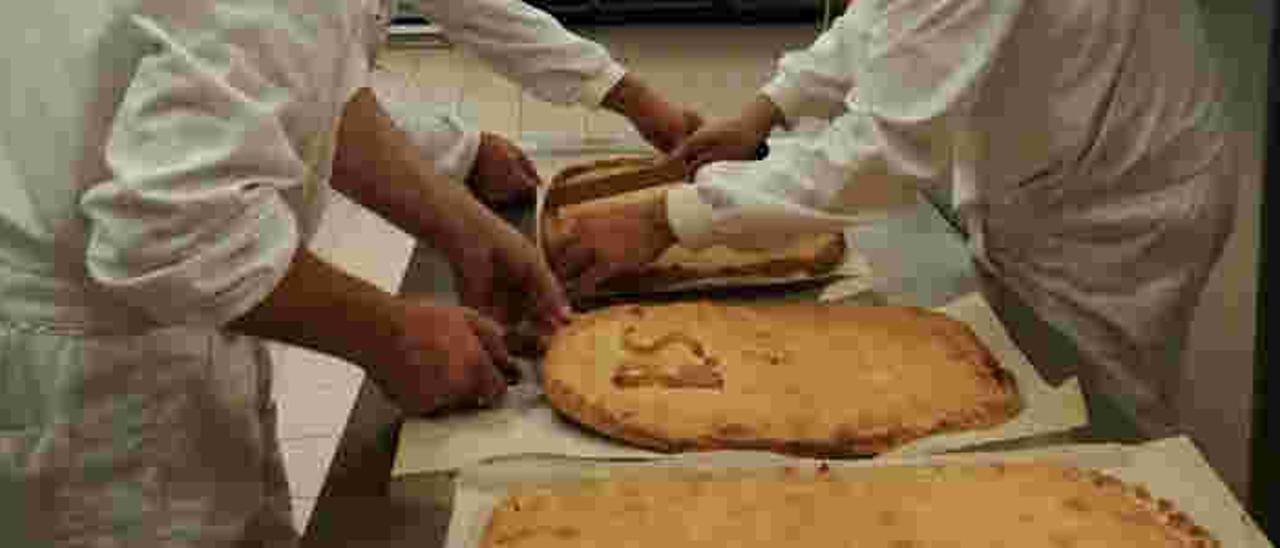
<point x="800" y="379"/>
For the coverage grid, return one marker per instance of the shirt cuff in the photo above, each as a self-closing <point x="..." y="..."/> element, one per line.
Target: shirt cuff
<point x="595" y="89"/>
<point x="468" y="149"/>
<point x="787" y="98"/>
<point x="690" y="218"/>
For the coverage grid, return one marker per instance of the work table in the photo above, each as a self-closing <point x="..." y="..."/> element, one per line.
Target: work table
<point x="360" y="505"/>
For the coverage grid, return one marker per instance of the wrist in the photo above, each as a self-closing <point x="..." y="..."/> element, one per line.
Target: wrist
<point x="320" y="307"/>
<point x="483" y="140"/>
<point x="761" y="115"/>
<point x="628" y="97"/>
<point x="374" y="332"/>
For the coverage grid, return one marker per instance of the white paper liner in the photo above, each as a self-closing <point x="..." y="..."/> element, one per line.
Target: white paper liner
<point x="1171" y="469"/>
<point x="525" y="425"/>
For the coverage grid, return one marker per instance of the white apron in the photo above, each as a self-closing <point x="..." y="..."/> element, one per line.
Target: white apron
<point x="159" y="162"/>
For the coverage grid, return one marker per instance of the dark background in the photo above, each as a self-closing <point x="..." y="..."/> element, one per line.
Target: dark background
<point x="1266" y="434"/>
<point x="683" y="11"/>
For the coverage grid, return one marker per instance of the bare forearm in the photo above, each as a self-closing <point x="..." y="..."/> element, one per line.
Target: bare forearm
<point x="319" y="307"/>
<point x="377" y="167"/>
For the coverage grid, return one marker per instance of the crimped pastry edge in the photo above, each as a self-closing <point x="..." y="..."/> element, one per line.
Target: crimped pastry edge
<point x="828" y="258"/>
<point x="1190" y="534"/>
<point x="568" y="173"/>
<point x="842" y="443"/>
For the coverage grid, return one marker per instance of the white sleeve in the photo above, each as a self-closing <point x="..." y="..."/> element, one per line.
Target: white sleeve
<point x="917" y="65"/>
<point x="439" y="135"/>
<point x="192" y="227"/>
<point x="814" y="82"/>
<point x="529" y="47"/>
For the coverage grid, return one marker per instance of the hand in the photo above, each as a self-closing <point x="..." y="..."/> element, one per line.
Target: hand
<point x="501" y="274"/>
<point x="442" y="358"/>
<point x="662" y="124"/>
<point x="502" y="175"/>
<point x="736" y="139"/>
<point x="588" y="249"/>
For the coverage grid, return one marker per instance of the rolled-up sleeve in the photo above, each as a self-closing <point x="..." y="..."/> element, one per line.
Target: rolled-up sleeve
<point x="192" y="227"/>
<point x="917" y="64"/>
<point x="814" y="82"/>
<point x="530" y="47"/>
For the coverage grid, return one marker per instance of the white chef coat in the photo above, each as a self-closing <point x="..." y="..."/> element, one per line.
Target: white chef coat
<point x="520" y="42"/>
<point x="1082" y="141"/>
<point x="161" y="162"/>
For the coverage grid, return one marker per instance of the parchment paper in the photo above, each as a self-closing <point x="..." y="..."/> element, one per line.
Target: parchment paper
<point x="526" y="425"/>
<point x="1172" y="469"/>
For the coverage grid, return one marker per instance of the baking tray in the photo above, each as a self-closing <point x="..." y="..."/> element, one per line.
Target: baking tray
<point x="554" y="195"/>
<point x="1171" y="469"/>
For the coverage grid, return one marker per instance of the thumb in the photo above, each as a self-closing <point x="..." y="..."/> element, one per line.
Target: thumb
<point x="692" y="122"/>
<point x="694" y="145"/>
<point x="549" y="298"/>
<point x="492" y="337"/>
<point x="684" y="151"/>
<point x="593" y="277"/>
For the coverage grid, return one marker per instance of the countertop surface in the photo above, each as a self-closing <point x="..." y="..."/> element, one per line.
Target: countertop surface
<point x="359" y="505"/>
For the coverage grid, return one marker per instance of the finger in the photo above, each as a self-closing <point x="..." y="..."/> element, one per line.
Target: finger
<point x="574" y="260"/>
<point x="487" y="383"/>
<point x="530" y="171"/>
<point x="694" y="145"/>
<point x="538" y="337"/>
<point x="493" y="385"/>
<point x="560" y="243"/>
<point x="559" y="234"/>
<point x="550" y="301"/>
<point x="492" y="337"/>
<point x="523" y="172"/>
<point x="697" y="162"/>
<point x="671" y="136"/>
<point x="704" y="155"/>
<point x="526" y="183"/>
<point x="490" y="381"/>
<point x="474" y="373"/>
<point x="523" y="341"/>
<point x="693" y="121"/>
<point x="686" y="151"/>
<point x="593" y="277"/>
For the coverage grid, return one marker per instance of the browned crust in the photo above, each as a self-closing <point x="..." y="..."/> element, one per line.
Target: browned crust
<point x="1177" y="522"/>
<point x="849" y="442"/>
<point x="828" y="257"/>
<point x="569" y="175"/>
<point x="1184" y="530"/>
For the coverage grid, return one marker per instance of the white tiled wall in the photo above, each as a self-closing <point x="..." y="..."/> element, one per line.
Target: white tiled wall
<point x="712" y="70"/>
